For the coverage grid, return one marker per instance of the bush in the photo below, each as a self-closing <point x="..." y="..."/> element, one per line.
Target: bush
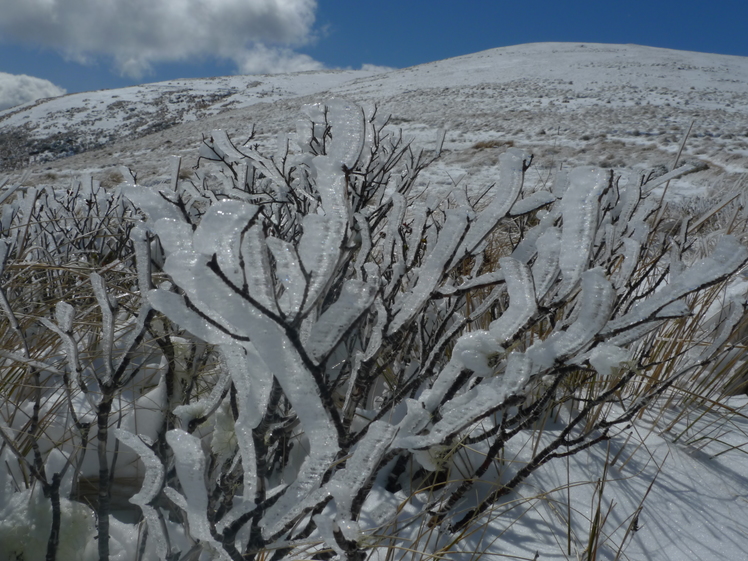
<point x="297" y="347"/>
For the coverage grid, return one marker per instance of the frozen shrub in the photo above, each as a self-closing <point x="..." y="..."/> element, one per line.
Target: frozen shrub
<point x="337" y="355"/>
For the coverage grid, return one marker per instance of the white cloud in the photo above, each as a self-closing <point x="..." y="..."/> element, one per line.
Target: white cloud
<point x="19" y="88"/>
<point x="138" y="33"/>
<point x="376" y="68"/>
<point x="262" y="60"/>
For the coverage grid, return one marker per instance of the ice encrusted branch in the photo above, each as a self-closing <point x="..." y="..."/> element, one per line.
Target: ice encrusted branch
<point x="365" y="331"/>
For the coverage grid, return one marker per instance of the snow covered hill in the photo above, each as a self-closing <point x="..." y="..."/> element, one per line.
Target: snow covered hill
<point x="606" y="105"/>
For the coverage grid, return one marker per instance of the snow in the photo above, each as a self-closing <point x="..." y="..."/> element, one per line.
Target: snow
<point x="631" y="101"/>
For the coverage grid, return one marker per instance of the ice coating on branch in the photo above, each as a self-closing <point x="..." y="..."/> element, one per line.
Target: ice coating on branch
<point x="251" y="399"/>
<point x="629" y="194"/>
<point x="174" y="307"/>
<point x="319" y="249"/>
<point x="522" y="305"/>
<point x="362" y="238"/>
<point x="630" y="252"/>
<point x="205" y="406"/>
<point x="154" y="471"/>
<point x="728" y="257"/>
<point x="219" y="234"/>
<point x="355" y="297"/>
<point x="597" y="299"/>
<point x="142" y="248"/>
<point x="56" y="463"/>
<point x="474" y="351"/>
<point x="418" y="213"/>
<point x="210" y="294"/>
<point x="324" y="234"/>
<point x="107" y="324"/>
<point x="517" y="371"/>
<point x="458" y="414"/>
<point x="174" y="235"/>
<point x="155" y="204"/>
<point x="430" y="273"/>
<point x="323" y="450"/>
<point x="64" y="315"/>
<point x="359" y="468"/>
<point x="579" y="208"/>
<point x="190" y="464"/>
<point x="248" y="370"/>
<point x="545" y="269"/>
<point x="223" y="147"/>
<point x="532" y="202"/>
<point x="487" y="279"/>
<point x="606" y="358"/>
<point x="298" y="383"/>
<point x="511" y="174"/>
<point x="257" y="273"/>
<point x="288" y="273"/>
<point x="223" y="306"/>
<point x="392" y="250"/>
<point x="348" y="126"/>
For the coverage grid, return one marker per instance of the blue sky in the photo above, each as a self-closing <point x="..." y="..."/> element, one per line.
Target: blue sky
<point x="80" y="45"/>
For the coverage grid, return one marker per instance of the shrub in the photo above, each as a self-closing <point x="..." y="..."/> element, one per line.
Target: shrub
<point x="299" y="346"/>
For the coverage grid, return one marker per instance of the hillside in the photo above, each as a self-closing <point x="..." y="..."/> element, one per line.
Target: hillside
<point x="606" y="105"/>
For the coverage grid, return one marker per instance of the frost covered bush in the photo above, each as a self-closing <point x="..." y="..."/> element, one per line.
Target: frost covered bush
<point x="314" y="356"/>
